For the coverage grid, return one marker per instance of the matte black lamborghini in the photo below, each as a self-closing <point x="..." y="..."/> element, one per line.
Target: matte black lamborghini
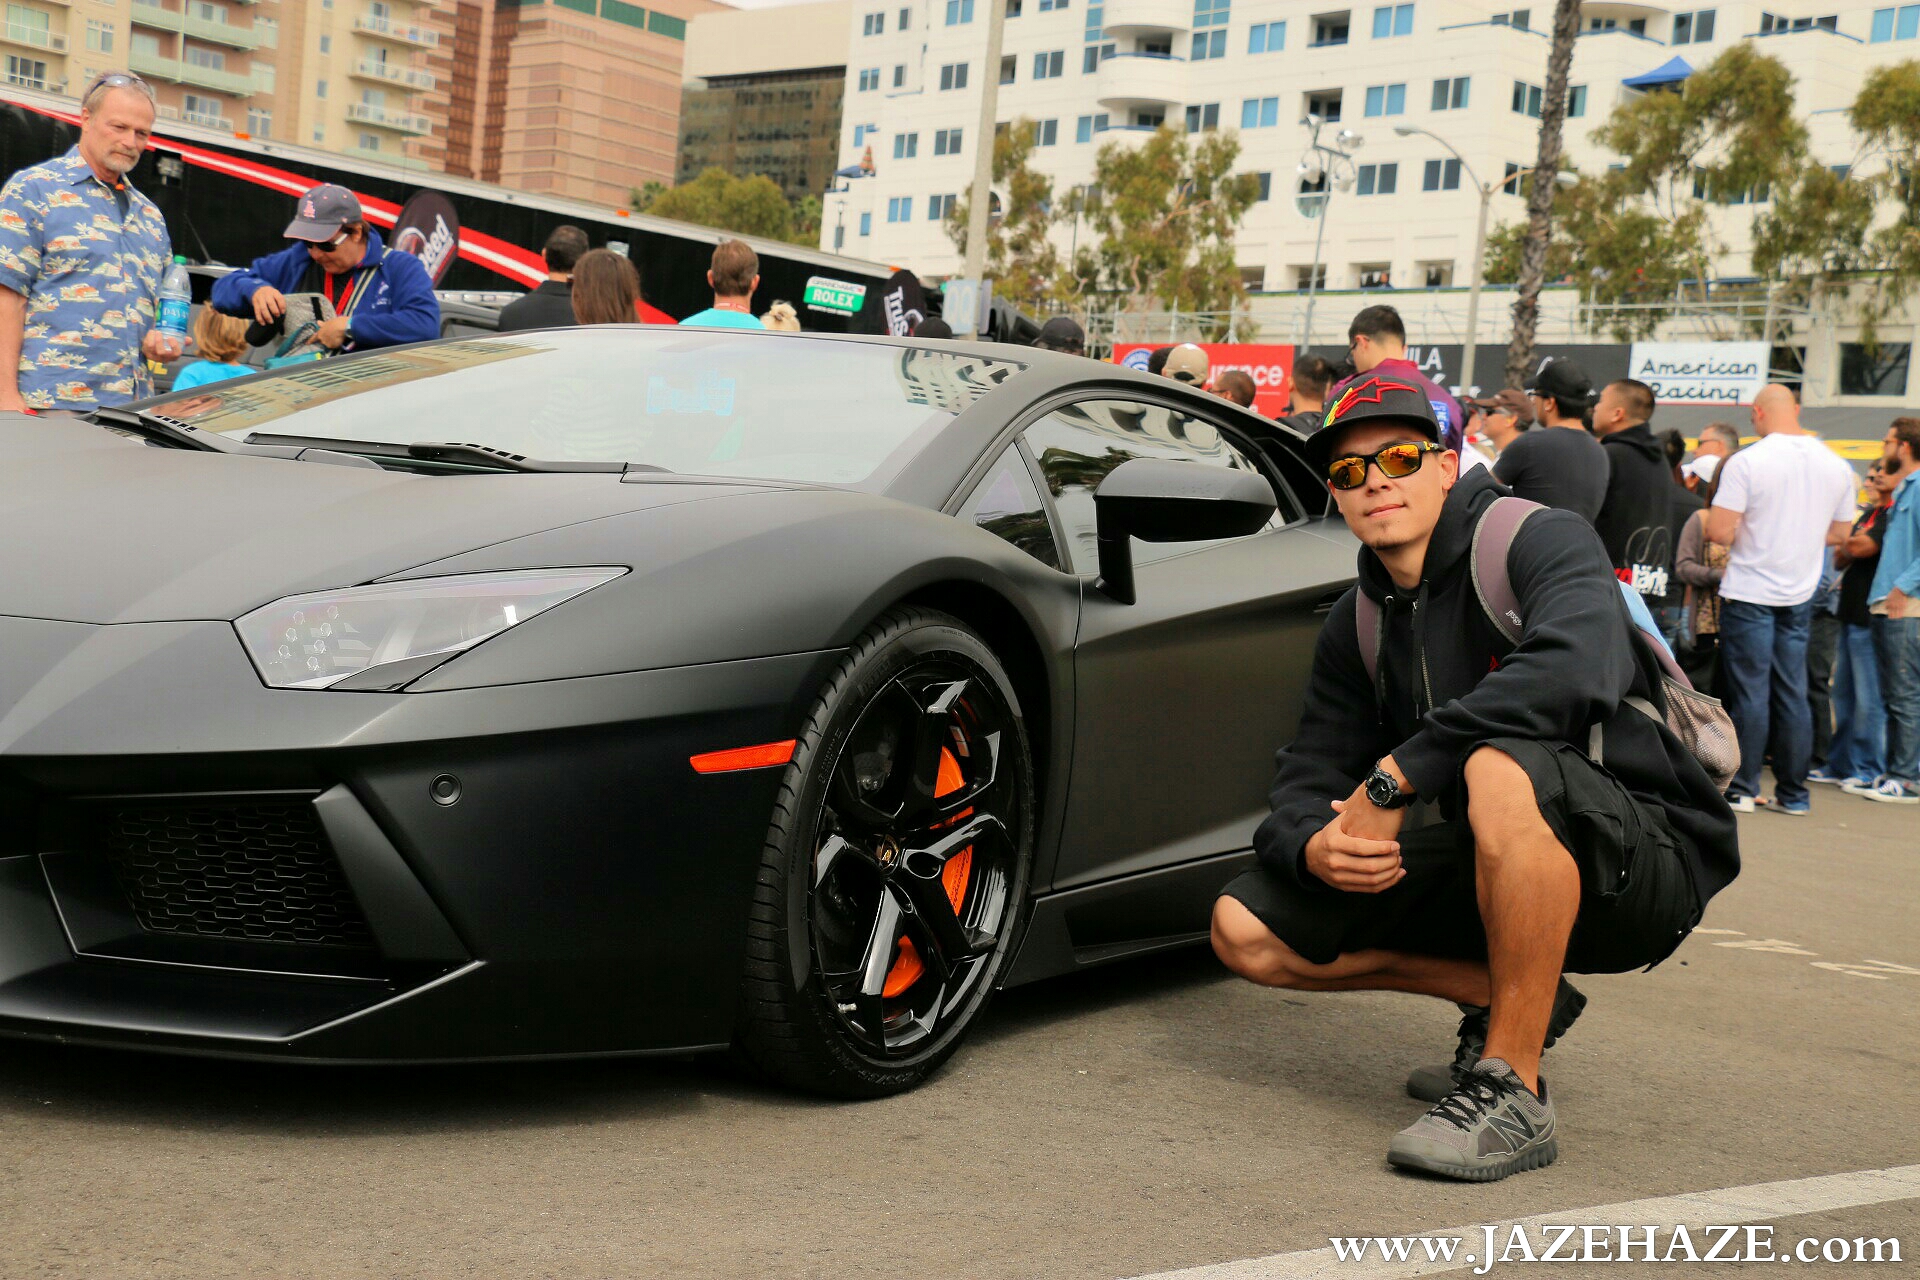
<point x="630" y="690"/>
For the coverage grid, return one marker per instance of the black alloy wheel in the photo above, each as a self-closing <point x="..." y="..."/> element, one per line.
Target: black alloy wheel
<point x="896" y="865"/>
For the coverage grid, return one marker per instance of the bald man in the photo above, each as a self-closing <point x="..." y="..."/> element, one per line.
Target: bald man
<point x="1781" y="503"/>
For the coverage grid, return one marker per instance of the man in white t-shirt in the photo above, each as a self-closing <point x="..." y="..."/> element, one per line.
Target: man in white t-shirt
<point x="1781" y="503"/>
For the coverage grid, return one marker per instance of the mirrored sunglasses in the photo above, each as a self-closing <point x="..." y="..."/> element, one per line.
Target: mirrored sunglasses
<point x="1396" y="462"/>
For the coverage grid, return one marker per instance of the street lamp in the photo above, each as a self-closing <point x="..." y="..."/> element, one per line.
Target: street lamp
<point x="1332" y="167"/>
<point x="1485" y="189"/>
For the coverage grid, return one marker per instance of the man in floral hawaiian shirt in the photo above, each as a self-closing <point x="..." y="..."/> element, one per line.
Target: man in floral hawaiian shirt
<point x="82" y="255"/>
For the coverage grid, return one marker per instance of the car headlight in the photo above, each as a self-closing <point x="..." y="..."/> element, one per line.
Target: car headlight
<point x="313" y="641"/>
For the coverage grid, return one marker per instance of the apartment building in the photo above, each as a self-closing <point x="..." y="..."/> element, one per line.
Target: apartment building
<point x="762" y="94"/>
<point x="1092" y="72"/>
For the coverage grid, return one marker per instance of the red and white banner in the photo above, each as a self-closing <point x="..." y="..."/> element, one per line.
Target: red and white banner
<point x="1270" y="365"/>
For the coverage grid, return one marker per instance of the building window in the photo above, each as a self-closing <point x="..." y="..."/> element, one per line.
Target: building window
<point x="946" y="142"/>
<point x="1693" y="28"/>
<point x="1879" y="371"/>
<point x="1373" y="275"/>
<point x="267" y="32"/>
<point x="1328" y="29"/>
<point x="906" y="146"/>
<point x="319" y="88"/>
<point x="1086" y="126"/>
<point x="146" y="44"/>
<point x="1325" y="104"/>
<point x="1526" y="99"/>
<point x="369" y="142"/>
<point x="1305" y="278"/>
<point x="866" y="223"/>
<point x="959" y="12"/>
<point x="1208" y="45"/>
<point x="99" y="35"/>
<point x="1387" y="100"/>
<point x="1265" y="179"/>
<point x="873" y="24"/>
<point x="1048" y="6"/>
<point x="953" y="76"/>
<point x="1211" y="13"/>
<point x="207" y="58"/>
<point x="906" y="19"/>
<point x="1259" y="113"/>
<point x="1902" y="23"/>
<point x="1577" y="100"/>
<point x="1441" y="175"/>
<point x="1451" y="95"/>
<point x="900" y="209"/>
<point x="1436" y="275"/>
<point x="1048" y="66"/>
<point x="860" y="132"/>
<point x="1009" y="68"/>
<point x="1149" y="119"/>
<point x="1092" y="56"/>
<point x="263" y="77"/>
<point x="1013" y="8"/>
<point x="938" y="207"/>
<point x="1046" y="132"/>
<point x="1203" y="116"/>
<point x="1521" y="18"/>
<point x="1267" y="37"/>
<point x="869" y="79"/>
<point x="1510" y="182"/>
<point x="1378" y="179"/>
<point x="1392" y="20"/>
<point x="28" y="73"/>
<point x="259" y="122"/>
<point x="319" y="134"/>
<point x="900" y="75"/>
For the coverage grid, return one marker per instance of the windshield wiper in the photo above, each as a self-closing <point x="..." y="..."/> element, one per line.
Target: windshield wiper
<point x="157" y="428"/>
<point x="460" y="455"/>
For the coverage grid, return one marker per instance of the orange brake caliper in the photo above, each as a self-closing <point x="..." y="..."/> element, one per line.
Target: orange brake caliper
<point x="908" y="966"/>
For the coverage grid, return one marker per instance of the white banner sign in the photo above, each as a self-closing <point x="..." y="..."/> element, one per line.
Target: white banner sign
<point x="1701" y="372"/>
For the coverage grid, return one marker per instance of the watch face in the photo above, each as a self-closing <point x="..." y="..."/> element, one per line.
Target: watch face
<point x="1380" y="789"/>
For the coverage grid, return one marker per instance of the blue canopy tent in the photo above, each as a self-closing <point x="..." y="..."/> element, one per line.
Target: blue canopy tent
<point x="1667" y="75"/>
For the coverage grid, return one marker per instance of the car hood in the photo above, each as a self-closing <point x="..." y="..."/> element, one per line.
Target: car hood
<point x="98" y="528"/>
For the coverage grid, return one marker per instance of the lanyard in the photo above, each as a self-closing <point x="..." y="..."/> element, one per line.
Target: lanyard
<point x="345" y="305"/>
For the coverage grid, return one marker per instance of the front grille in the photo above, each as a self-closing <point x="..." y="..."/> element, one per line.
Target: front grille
<point x="247" y="870"/>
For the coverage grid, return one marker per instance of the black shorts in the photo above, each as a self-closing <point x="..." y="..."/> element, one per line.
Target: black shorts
<point x="1637" y="901"/>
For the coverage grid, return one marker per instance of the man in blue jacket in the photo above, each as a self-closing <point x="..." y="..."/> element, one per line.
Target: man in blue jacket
<point x="381" y="298"/>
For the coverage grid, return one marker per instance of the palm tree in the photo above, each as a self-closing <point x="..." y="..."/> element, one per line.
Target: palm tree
<point x="1541" y="186"/>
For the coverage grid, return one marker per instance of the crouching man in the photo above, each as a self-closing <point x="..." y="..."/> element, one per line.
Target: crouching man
<point x="1579" y="834"/>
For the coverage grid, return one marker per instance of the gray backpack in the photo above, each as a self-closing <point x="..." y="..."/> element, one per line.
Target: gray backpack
<point x="1700" y="723"/>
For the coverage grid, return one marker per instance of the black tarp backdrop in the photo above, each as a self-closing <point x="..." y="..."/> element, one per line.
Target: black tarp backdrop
<point x="213" y="217"/>
<point x="1604" y="362"/>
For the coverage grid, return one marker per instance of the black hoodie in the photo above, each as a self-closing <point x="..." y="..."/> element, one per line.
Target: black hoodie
<point x="1450" y="683"/>
<point x="1636" y="518"/>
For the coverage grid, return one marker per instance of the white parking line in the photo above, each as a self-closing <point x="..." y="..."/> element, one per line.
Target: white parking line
<point x="1729" y="1206"/>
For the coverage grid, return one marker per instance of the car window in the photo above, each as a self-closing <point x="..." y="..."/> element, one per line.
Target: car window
<point x="1077" y="446"/>
<point x="1006" y="503"/>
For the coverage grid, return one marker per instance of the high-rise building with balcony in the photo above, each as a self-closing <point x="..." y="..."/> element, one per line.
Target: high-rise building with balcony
<point x="1094" y="72"/>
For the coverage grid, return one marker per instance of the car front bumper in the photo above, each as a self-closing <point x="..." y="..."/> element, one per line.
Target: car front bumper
<point x="191" y="861"/>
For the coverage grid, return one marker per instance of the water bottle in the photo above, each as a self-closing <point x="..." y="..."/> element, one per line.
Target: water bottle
<point x="176" y="300"/>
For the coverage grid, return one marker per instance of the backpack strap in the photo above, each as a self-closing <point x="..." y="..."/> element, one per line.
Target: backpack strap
<point x="1367" y="631"/>
<point x="1492" y="540"/>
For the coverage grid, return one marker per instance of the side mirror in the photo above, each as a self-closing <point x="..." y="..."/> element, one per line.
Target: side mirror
<point x="1160" y="500"/>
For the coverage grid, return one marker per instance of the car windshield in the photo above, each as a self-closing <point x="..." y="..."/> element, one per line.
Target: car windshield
<point x="761" y="406"/>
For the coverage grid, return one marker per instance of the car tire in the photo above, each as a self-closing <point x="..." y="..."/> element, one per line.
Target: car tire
<point x="859" y="981"/>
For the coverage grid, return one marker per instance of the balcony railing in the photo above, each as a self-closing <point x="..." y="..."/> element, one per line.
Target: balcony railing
<point x="401" y="121"/>
<point x="206" y="121"/>
<point x="387" y="73"/>
<point x="34" y="37"/>
<point x="147" y="13"/>
<point x="397" y="159"/>
<point x="177" y="71"/>
<point x="387" y="29"/>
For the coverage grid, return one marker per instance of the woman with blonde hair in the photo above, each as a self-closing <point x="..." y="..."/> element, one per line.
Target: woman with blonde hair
<point x="783" y="317"/>
<point x="606" y="288"/>
<point x="221" y="342"/>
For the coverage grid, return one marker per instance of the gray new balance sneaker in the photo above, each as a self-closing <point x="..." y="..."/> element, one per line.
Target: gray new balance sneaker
<point x="1430" y="1084"/>
<point x="1491" y="1126"/>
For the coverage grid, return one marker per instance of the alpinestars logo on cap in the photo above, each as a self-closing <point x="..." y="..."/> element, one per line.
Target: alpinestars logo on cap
<point x="1375" y="392"/>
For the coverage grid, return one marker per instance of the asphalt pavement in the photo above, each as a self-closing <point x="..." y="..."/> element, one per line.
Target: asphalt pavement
<point x="1149" y="1118"/>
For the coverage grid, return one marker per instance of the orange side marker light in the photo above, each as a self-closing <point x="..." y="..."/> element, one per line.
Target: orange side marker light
<point x="764" y="756"/>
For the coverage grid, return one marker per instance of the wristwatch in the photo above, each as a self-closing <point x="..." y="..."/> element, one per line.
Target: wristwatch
<point x="1385" y="792"/>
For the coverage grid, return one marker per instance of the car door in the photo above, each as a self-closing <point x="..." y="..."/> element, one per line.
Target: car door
<point x="1181" y="698"/>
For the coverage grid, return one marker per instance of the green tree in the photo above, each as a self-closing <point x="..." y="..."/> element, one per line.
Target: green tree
<point x="1640" y="233"/>
<point x="752" y="206"/>
<point x="642" y="198"/>
<point x="1164" y="214"/>
<point x="1022" y="261"/>
<point x="1539" y="233"/>
<point x="1820" y="230"/>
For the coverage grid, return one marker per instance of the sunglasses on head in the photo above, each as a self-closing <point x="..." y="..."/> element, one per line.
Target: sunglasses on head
<point x="118" y="80"/>
<point x="1396" y="462"/>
